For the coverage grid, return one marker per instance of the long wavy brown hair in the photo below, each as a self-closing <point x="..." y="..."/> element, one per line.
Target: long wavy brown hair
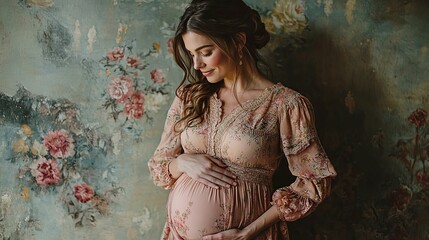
<point x="222" y="21"/>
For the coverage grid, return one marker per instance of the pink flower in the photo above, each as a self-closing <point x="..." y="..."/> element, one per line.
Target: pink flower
<point x="299" y="9"/>
<point x="59" y="144"/>
<point x="115" y="54"/>
<point x="71" y="113"/>
<point x="423" y="179"/>
<point x="133" y="61"/>
<point x="120" y="88"/>
<point x="45" y="171"/>
<point x="134" y="105"/>
<point x="401" y="197"/>
<point x="157" y="76"/>
<point x="170" y="45"/>
<point x="418" y="117"/>
<point x="83" y="192"/>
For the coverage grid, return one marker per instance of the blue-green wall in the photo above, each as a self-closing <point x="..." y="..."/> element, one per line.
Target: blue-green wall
<point x="363" y="64"/>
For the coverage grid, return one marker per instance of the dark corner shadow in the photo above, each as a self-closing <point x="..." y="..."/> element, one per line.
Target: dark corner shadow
<point x="325" y="71"/>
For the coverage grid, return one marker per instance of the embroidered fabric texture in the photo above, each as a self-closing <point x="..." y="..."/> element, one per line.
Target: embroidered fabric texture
<point x="255" y="175"/>
<point x="295" y="145"/>
<point x="291" y="205"/>
<point x="223" y="124"/>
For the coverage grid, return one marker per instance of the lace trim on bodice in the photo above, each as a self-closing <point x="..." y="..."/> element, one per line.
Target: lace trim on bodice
<point x="220" y="126"/>
<point x="255" y="175"/>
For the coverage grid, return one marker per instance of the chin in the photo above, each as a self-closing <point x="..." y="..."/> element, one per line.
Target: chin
<point x="213" y="80"/>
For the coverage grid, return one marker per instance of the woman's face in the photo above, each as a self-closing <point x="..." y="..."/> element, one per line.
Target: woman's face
<point x="208" y="58"/>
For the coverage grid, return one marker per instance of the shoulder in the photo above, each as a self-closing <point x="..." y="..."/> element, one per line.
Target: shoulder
<point x="287" y="98"/>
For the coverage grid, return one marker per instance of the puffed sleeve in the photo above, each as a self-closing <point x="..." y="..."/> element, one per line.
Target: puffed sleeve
<point x="307" y="161"/>
<point x="168" y="149"/>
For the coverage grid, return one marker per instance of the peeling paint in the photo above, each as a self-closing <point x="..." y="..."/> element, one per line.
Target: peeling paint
<point x="349" y="101"/>
<point x="377" y="139"/>
<point x="319" y="2"/>
<point x="40" y="3"/>
<point x="350" y="8"/>
<point x="92" y="34"/>
<point x="116" y="142"/>
<point x="6" y="199"/>
<point x="144" y="221"/>
<point x="424" y="51"/>
<point x="122" y="30"/>
<point x="115" y="2"/>
<point x="25" y="194"/>
<point x="144" y="1"/>
<point x="76" y="36"/>
<point x="55" y="41"/>
<point x="3" y="40"/>
<point x="328" y="6"/>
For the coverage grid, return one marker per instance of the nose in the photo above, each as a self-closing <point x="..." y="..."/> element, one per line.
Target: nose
<point x="198" y="63"/>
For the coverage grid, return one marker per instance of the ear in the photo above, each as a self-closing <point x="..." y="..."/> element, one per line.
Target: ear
<point x="241" y="36"/>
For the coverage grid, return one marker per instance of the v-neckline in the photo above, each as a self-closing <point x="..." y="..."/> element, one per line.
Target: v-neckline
<point x="220" y="122"/>
<point x="219" y="104"/>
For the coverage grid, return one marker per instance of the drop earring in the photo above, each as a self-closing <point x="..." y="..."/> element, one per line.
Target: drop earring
<point x="241" y="59"/>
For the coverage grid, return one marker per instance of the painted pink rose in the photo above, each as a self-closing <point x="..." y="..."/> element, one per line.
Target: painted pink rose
<point x="134" y="105"/>
<point x="418" y="117"/>
<point x="299" y="9"/>
<point x="401" y="197"/>
<point x="422" y="179"/>
<point x="170" y="45"/>
<point x="133" y="61"/>
<point x="45" y="171"/>
<point x="71" y="113"/>
<point x="83" y="192"/>
<point x="120" y="88"/>
<point x="115" y="54"/>
<point x="59" y="143"/>
<point x="157" y="76"/>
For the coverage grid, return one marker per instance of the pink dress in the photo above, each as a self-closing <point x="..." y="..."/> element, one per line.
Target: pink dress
<point x="251" y="140"/>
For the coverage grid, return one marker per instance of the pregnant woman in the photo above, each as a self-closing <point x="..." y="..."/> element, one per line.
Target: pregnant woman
<point x="227" y="130"/>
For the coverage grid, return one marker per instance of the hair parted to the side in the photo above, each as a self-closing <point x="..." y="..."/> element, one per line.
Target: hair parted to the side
<point x="222" y="21"/>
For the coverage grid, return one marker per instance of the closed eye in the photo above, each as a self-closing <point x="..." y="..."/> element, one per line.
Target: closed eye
<point x="207" y="54"/>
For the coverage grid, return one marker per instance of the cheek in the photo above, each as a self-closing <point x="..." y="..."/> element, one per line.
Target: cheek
<point x="217" y="60"/>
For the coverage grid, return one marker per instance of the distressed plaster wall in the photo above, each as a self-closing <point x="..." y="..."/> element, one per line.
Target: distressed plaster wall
<point x="363" y="64"/>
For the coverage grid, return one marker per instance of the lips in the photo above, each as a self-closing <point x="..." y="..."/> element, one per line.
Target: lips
<point x="206" y="73"/>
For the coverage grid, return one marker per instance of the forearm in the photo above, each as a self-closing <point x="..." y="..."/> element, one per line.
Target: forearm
<point x="264" y="221"/>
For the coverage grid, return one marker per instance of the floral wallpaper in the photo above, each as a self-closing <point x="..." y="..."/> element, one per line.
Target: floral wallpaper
<point x="54" y="155"/>
<point x="129" y="93"/>
<point x="85" y="87"/>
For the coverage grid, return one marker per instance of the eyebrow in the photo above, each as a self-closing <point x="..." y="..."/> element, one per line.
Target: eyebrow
<point x="204" y="46"/>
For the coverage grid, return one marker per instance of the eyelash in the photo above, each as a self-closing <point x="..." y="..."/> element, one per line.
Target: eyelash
<point x="204" y="55"/>
<point x="207" y="54"/>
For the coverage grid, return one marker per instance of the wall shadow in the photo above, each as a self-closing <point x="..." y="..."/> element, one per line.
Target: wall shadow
<point x="325" y="72"/>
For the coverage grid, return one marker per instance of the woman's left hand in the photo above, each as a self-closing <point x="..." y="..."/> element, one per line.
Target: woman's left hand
<point x="230" y="234"/>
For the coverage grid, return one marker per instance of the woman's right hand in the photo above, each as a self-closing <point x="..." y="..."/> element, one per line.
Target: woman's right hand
<point x="206" y="169"/>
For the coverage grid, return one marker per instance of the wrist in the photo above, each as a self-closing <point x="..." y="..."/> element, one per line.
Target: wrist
<point x="247" y="233"/>
<point x="267" y="219"/>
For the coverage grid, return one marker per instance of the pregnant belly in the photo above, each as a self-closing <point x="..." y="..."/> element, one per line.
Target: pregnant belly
<point x="196" y="210"/>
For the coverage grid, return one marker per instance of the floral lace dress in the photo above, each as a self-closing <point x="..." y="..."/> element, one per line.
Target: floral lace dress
<point x="251" y="140"/>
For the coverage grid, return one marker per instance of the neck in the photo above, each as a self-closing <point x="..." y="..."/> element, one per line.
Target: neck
<point x="246" y="80"/>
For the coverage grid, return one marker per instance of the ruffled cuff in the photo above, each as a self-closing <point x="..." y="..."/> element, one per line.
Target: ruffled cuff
<point x="291" y="205"/>
<point x="161" y="175"/>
